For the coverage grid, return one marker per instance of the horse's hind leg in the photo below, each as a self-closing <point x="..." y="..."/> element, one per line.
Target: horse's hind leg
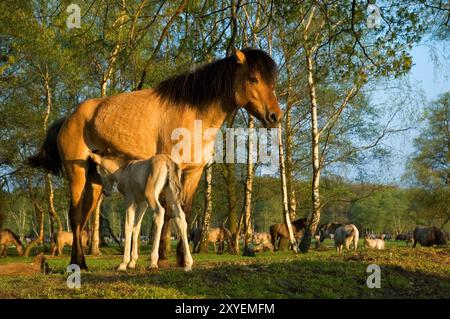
<point x="129" y="223"/>
<point x="181" y="223"/>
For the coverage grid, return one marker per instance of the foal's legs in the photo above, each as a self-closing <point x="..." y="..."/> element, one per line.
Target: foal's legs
<point x="140" y="212"/>
<point x="181" y="223"/>
<point x="129" y="222"/>
<point x="158" y="220"/>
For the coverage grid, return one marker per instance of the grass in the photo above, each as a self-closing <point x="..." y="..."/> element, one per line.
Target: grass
<point x="405" y="273"/>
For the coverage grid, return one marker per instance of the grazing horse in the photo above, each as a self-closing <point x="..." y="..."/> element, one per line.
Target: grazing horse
<point x="278" y="231"/>
<point x="429" y="236"/>
<point x="215" y="235"/>
<point x="344" y="235"/>
<point x="63" y="238"/>
<point x="372" y="243"/>
<point x="328" y="230"/>
<point x="141" y="124"/>
<point x="141" y="182"/>
<point x="7" y="238"/>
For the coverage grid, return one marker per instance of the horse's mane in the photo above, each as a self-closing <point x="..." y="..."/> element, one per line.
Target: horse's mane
<point x="16" y="238"/>
<point x="214" y="80"/>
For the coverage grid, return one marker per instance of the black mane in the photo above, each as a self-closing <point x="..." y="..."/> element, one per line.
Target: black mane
<point x="214" y="80"/>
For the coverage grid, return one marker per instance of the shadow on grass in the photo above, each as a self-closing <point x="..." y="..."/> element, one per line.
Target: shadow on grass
<point x="292" y="279"/>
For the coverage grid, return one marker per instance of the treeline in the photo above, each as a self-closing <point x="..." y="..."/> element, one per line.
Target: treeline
<point x="330" y="54"/>
<point x="379" y="208"/>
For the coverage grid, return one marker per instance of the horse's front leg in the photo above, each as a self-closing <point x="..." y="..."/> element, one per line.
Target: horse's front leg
<point x="129" y="222"/>
<point x="158" y="221"/>
<point x="136" y="232"/>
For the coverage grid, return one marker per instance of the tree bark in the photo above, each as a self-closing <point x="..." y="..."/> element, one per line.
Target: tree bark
<point x="40" y="218"/>
<point x="230" y="178"/>
<point x="289" y="149"/>
<point x="248" y="187"/>
<point x="284" y="192"/>
<point x="204" y="244"/>
<point x="95" y="243"/>
<point x="315" y="158"/>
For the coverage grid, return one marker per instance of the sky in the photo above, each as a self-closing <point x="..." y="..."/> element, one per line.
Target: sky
<point x="427" y="80"/>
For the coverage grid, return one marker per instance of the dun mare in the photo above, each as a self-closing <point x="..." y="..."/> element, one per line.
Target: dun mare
<point x="7" y="238"/>
<point x="140" y="124"/>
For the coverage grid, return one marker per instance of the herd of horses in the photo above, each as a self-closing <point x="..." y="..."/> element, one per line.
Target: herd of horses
<point x="343" y="235"/>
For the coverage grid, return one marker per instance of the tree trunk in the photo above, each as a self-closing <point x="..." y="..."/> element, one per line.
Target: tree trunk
<point x="289" y="148"/>
<point x="53" y="214"/>
<point x="40" y="239"/>
<point x="248" y="187"/>
<point x="204" y="244"/>
<point x="95" y="239"/>
<point x="315" y="217"/>
<point x="232" y="198"/>
<point x="284" y="192"/>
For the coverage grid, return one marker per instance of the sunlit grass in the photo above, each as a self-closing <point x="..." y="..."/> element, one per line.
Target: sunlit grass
<point x="405" y="273"/>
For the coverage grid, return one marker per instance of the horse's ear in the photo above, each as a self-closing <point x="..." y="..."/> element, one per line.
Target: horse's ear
<point x="240" y="56"/>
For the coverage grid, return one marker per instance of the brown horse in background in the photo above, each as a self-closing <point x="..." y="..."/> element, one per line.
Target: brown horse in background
<point x="7" y="238"/>
<point x="63" y="238"/>
<point x="140" y="124"/>
<point x="278" y="231"/>
<point x="215" y="235"/>
<point x="429" y="236"/>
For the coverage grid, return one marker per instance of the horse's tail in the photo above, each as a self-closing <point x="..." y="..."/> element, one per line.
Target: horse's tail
<point x="48" y="156"/>
<point x="174" y="180"/>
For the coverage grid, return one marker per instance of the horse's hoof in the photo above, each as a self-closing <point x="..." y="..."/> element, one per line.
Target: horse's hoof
<point x="152" y="269"/>
<point x="188" y="267"/>
<point x="132" y="265"/>
<point x="122" y="267"/>
<point x="163" y="263"/>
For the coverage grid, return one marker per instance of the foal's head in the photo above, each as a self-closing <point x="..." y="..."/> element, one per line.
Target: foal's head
<point x="254" y="85"/>
<point x="107" y="166"/>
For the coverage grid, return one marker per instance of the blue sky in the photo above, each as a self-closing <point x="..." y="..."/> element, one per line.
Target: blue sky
<point x="426" y="81"/>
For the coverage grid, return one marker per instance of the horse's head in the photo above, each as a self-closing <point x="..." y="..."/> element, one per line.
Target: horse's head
<point x="254" y="86"/>
<point x="299" y="223"/>
<point x="107" y="165"/>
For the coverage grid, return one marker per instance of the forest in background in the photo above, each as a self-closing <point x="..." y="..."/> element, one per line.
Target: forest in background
<point x="329" y="58"/>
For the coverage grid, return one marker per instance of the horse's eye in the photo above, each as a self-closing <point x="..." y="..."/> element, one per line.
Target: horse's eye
<point x="253" y="80"/>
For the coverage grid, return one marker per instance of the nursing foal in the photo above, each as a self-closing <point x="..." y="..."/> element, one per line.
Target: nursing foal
<point x="141" y="182"/>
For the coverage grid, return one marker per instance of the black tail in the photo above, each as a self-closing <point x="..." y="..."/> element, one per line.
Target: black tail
<point x="48" y="156"/>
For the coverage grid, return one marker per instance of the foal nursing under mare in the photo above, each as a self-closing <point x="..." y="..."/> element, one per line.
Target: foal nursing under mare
<point x="141" y="182"/>
<point x="139" y="125"/>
